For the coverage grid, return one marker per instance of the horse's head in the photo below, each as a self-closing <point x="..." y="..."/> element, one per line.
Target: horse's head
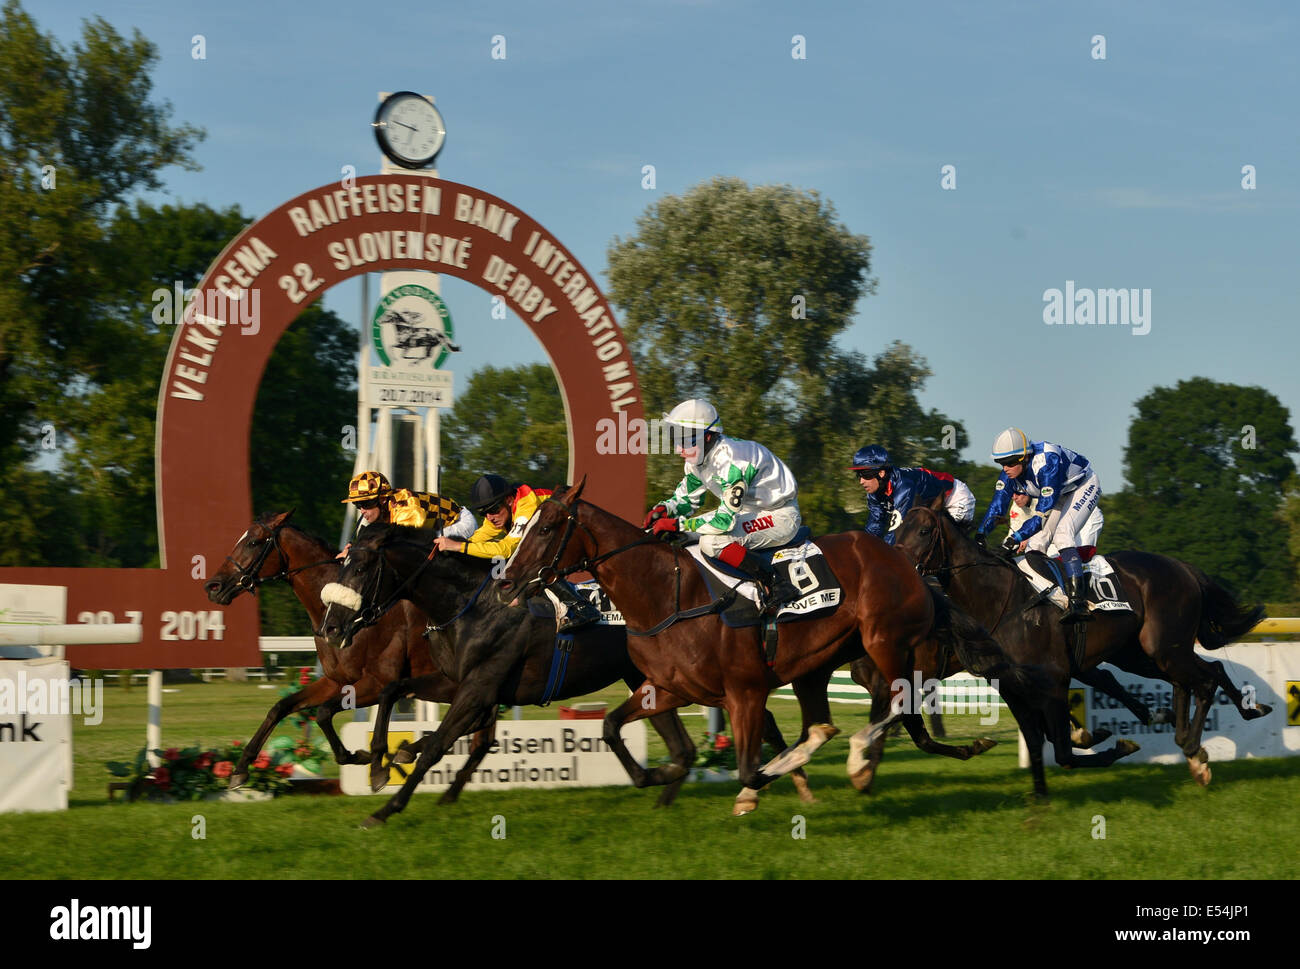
<point x="921" y="537"/>
<point x="365" y="589"/>
<point x="547" y="545"/>
<point x="256" y="557"/>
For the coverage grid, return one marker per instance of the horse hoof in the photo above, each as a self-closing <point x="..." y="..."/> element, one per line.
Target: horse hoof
<point x="805" y="792"/>
<point x="1254" y="713"/>
<point x="1101" y="734"/>
<point x="378" y="780"/>
<point x="741" y="808"/>
<point x="1200" y="769"/>
<point x="237" y="781"/>
<point x="862" y="780"/>
<point x="983" y="744"/>
<point x="371" y="822"/>
<point x="1125" y="747"/>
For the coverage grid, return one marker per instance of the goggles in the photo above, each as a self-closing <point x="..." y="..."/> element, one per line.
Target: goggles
<point x="866" y="474"/>
<point x="367" y="505"/>
<point x="1010" y="462"/>
<point x="687" y="437"/>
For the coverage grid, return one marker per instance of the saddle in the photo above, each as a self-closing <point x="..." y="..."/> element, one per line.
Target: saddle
<point x="1047" y="577"/>
<point x="803" y="564"/>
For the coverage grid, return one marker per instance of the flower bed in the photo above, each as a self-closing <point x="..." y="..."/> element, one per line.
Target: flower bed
<point x="193" y="773"/>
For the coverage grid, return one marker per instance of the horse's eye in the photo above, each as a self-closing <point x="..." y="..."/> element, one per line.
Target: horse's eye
<point x="545" y="529"/>
<point x="254" y="542"/>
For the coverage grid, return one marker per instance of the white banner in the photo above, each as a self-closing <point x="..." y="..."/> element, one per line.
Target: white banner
<point x="1266" y="673"/>
<point x="526" y="753"/>
<point x="35" y="743"/>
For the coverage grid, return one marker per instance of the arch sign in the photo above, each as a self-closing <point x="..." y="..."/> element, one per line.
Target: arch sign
<point x="249" y="297"/>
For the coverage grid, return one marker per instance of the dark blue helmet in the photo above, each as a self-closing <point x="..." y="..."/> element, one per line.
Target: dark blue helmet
<point x="870" y="458"/>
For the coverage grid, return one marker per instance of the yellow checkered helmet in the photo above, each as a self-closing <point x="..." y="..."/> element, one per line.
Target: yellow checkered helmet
<point x="366" y="486"/>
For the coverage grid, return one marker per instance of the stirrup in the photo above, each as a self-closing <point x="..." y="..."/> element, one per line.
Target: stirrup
<point x="578" y="615"/>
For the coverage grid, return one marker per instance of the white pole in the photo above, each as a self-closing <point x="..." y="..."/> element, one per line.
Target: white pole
<point x="153" y="733"/>
<point x="70" y="635"/>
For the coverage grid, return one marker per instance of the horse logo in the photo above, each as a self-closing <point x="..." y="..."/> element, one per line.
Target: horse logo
<point x="412" y="329"/>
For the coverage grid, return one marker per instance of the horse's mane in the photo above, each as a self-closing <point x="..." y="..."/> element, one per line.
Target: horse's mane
<point x="382" y="534"/>
<point x="267" y="517"/>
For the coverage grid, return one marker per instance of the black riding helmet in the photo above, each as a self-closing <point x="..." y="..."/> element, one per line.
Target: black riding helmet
<point x="488" y="490"/>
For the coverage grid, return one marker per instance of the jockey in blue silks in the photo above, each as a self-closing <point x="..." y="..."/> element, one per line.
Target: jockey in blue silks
<point x="892" y="491"/>
<point x="1067" y="490"/>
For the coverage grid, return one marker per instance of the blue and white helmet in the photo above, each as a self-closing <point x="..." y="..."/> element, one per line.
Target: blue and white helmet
<point x="1013" y="443"/>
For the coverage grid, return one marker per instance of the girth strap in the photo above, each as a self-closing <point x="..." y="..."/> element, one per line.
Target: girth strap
<point x="559" y="666"/>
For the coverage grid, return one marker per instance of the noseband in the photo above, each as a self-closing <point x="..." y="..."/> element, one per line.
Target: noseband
<point x="247" y="577"/>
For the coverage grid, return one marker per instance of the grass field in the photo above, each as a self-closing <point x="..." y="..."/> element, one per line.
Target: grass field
<point x="929" y="818"/>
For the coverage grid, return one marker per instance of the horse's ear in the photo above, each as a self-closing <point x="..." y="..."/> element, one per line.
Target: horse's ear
<point x="577" y="491"/>
<point x="281" y="519"/>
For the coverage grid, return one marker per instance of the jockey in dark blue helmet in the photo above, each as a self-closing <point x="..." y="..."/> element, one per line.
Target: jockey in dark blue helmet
<point x="892" y="491"/>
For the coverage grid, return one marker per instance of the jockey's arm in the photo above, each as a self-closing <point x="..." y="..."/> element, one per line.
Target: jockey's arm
<point x="999" y="505"/>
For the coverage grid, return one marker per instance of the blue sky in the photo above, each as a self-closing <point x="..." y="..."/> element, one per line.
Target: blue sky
<point x="1122" y="172"/>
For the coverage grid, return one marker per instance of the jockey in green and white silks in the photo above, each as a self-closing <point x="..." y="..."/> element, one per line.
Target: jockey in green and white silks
<point x="757" y="493"/>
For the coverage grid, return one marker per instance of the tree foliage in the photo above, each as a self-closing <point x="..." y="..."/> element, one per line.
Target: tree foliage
<point x="737" y="294"/>
<point x="1207" y="465"/>
<point x="509" y="421"/>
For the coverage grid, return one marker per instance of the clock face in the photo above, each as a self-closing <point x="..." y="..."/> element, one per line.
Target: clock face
<point x="410" y="129"/>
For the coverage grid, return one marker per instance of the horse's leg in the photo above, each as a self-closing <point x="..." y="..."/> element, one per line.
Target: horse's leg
<point x="1056" y="715"/>
<point x="366" y="692"/>
<point x="882" y="715"/>
<point x="673" y="732"/>
<point x="863" y="760"/>
<point x="1030" y="723"/>
<point x="747" y="710"/>
<point x="680" y="748"/>
<point x="814" y="708"/>
<point x="482" y="744"/>
<point x="1104" y="680"/>
<point x="647" y="700"/>
<point x="1197" y="758"/>
<point x="915" y="725"/>
<point x="312" y="695"/>
<point x="772" y="735"/>
<point x="473" y="709"/>
<point x="1219" y="675"/>
<point x="1182" y="702"/>
<point x="379" y="739"/>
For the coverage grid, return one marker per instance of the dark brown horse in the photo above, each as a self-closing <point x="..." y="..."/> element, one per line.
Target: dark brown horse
<point x="500" y="654"/>
<point x="886" y="609"/>
<point x="394" y="650"/>
<point x="1174" y="604"/>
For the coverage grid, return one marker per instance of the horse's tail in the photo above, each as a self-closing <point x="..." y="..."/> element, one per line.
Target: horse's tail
<point x="978" y="651"/>
<point x="1223" y="618"/>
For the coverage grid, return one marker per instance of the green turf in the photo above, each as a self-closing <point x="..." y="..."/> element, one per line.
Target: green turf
<point x="929" y="818"/>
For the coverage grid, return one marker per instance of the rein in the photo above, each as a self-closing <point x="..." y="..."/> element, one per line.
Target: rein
<point x="248" y="578"/>
<point x="945" y="552"/>
<point x="588" y="564"/>
<point x="369" y="613"/>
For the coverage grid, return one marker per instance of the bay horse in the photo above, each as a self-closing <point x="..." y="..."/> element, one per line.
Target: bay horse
<point x="886" y="610"/>
<point x="499" y="654"/>
<point x="1174" y="603"/>
<point x="395" y="649"/>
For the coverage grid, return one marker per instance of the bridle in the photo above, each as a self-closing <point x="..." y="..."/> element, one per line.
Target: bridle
<point x="945" y="555"/>
<point x="547" y="574"/>
<point x="371" y="612"/>
<point x="247" y="577"/>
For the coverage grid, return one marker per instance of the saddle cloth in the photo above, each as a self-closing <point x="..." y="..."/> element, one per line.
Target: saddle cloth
<point x="1105" y="593"/>
<point x="543" y="608"/>
<point x="803" y="564"/>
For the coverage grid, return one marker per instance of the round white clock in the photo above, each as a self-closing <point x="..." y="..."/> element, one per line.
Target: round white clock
<point x="409" y="129"/>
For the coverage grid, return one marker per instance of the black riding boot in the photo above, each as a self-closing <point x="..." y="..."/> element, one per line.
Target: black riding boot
<point x="1077" y="588"/>
<point x="578" y="610"/>
<point x="776" y="588"/>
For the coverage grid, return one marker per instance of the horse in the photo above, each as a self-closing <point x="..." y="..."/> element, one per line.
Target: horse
<point x="500" y="654"/>
<point x="886" y="611"/>
<point x="393" y="650"/>
<point x="1174" y="603"/>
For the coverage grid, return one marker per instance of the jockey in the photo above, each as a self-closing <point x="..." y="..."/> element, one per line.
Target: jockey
<point x="507" y="510"/>
<point x="1022" y="507"/>
<point x="1067" y="490"/>
<point x="376" y="500"/>
<point x="758" y="493"/>
<point x="891" y="491"/>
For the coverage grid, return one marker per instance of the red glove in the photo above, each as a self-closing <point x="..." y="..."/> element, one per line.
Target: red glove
<point x="665" y="525"/>
<point x="658" y="511"/>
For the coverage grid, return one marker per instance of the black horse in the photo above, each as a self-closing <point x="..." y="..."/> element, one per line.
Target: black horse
<point x="1174" y="604"/>
<point x="498" y="653"/>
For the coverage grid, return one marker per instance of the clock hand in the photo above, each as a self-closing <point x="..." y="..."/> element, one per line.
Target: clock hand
<point x="404" y="125"/>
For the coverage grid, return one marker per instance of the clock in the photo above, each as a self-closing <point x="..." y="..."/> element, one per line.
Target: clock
<point x="409" y="129"/>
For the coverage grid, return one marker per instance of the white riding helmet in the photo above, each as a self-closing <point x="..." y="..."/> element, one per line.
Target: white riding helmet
<point x="697" y="415"/>
<point x="1011" y="443"/>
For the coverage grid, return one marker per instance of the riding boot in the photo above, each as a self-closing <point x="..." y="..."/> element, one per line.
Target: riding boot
<point x="1077" y="588"/>
<point x="775" y="587"/>
<point x="572" y="610"/>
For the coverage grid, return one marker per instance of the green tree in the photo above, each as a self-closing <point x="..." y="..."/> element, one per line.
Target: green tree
<point x="509" y="421"/>
<point x="78" y="134"/>
<point x="736" y="294"/>
<point x="1207" y="464"/>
